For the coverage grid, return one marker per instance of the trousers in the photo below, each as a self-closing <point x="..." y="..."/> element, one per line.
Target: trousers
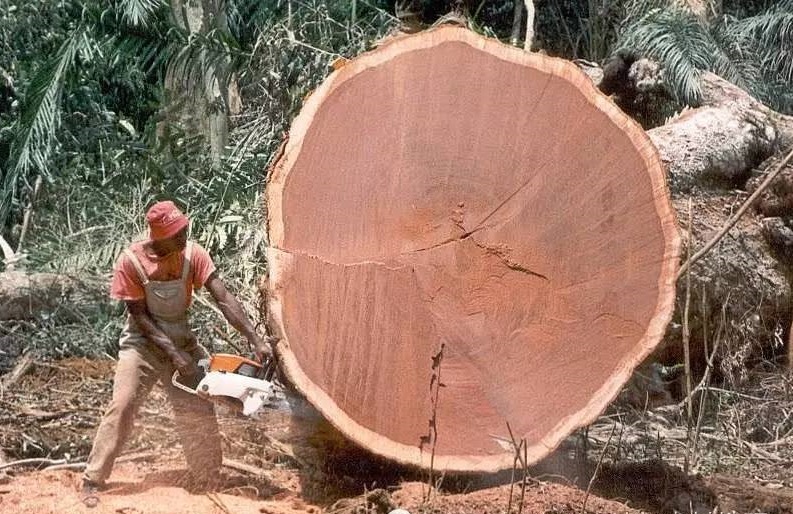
<point x="139" y="367"/>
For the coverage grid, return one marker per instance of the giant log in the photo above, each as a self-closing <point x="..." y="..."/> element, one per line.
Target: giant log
<point x="464" y="236"/>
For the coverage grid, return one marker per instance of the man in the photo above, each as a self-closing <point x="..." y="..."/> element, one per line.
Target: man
<point x="155" y="278"/>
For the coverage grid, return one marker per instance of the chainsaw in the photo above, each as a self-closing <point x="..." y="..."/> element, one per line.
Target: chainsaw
<point x="233" y="380"/>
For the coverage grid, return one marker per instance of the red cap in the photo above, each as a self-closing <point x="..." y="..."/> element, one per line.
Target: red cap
<point x="165" y="220"/>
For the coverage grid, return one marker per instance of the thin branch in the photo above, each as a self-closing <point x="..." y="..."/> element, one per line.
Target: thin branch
<point x="705" y="378"/>
<point x="218" y="502"/>
<point x="705" y="381"/>
<point x="525" y="475"/>
<point x="247" y="468"/>
<point x="516" y="447"/>
<point x="529" y="24"/>
<point x="32" y="462"/>
<point x="517" y="18"/>
<point x="597" y="468"/>
<point x="686" y="340"/>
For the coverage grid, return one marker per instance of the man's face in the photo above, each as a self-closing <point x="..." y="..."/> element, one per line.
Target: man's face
<point x="173" y="244"/>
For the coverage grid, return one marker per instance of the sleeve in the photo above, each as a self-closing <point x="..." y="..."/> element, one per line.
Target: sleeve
<point x="126" y="284"/>
<point x="201" y="265"/>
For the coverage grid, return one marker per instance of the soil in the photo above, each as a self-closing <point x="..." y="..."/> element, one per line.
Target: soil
<point x="156" y="488"/>
<point x="298" y="464"/>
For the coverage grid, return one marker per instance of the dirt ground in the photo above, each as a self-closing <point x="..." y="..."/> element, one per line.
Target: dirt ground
<point x="155" y="488"/>
<point x="295" y="463"/>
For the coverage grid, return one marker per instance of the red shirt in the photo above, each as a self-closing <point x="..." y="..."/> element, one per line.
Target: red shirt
<point x="126" y="284"/>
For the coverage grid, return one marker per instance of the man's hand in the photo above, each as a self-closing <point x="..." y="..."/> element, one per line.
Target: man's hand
<point x="184" y="363"/>
<point x="263" y="347"/>
<point x="182" y="360"/>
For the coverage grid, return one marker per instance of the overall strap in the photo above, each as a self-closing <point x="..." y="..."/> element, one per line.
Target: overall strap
<point x="138" y="267"/>
<point x="188" y="253"/>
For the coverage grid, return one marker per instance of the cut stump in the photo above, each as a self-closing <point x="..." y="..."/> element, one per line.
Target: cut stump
<point x="415" y="205"/>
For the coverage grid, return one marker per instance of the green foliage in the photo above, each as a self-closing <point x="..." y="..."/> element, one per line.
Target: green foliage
<point x="290" y="58"/>
<point x="677" y="40"/>
<point x="767" y="39"/>
<point x="111" y="162"/>
<point x="40" y="118"/>
<point x="578" y="29"/>
<point x="755" y="53"/>
<point x="139" y="12"/>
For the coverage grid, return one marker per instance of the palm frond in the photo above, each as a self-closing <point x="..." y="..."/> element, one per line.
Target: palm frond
<point x="246" y="16"/>
<point x="39" y="119"/>
<point x="684" y="46"/>
<point x="213" y="55"/>
<point x="770" y="35"/>
<point x="138" y="13"/>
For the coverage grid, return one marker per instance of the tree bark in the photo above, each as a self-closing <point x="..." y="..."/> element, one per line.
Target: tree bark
<point x="722" y="141"/>
<point x="530" y="274"/>
<point x="517" y="19"/>
<point x="203" y="106"/>
<point x="529" y="24"/>
<point x="712" y="154"/>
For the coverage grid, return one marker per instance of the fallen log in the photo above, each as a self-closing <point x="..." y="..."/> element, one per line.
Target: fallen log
<point x="718" y="144"/>
<point x="740" y="289"/>
<point x="446" y="259"/>
<point x="717" y="155"/>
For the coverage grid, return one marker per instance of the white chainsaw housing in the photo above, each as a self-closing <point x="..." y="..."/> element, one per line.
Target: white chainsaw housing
<point x="253" y="393"/>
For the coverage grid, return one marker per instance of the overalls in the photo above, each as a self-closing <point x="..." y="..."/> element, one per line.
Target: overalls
<point x="140" y="364"/>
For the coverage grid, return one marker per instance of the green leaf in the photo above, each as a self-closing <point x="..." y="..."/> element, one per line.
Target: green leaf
<point x="128" y="127"/>
<point x="139" y="12"/>
<point x="39" y="120"/>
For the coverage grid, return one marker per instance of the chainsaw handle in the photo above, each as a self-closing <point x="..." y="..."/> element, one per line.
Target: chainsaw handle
<point x="179" y="385"/>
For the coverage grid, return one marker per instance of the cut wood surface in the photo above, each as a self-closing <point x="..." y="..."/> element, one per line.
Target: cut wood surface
<point x="416" y="207"/>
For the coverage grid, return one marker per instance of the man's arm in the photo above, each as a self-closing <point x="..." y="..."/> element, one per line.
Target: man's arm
<point x="235" y="314"/>
<point x="181" y="359"/>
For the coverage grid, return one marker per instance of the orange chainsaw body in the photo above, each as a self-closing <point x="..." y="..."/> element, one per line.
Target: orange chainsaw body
<point x="230" y="363"/>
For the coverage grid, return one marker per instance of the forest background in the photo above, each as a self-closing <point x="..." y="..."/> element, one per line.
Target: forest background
<point x="106" y="107"/>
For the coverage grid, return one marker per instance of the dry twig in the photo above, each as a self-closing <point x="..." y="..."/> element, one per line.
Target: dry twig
<point x="521" y="455"/>
<point x="597" y="468"/>
<point x="217" y="501"/>
<point x="32" y="462"/>
<point x="686" y="340"/>
<point x="23" y="365"/>
<point x="247" y="468"/>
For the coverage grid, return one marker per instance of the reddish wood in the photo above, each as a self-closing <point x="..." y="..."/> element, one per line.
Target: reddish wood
<point x="448" y="189"/>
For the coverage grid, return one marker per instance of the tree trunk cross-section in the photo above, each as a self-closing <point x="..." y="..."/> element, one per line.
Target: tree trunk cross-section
<point x="417" y="205"/>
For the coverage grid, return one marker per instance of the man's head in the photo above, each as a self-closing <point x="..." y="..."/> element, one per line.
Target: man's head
<point x="167" y="227"/>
